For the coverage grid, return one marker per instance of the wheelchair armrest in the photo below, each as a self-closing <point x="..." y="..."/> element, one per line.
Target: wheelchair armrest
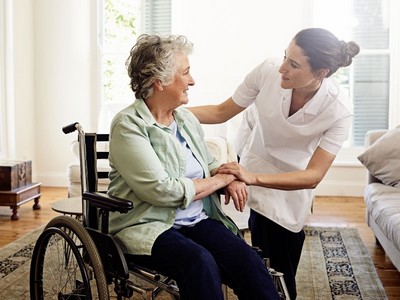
<point x="108" y="202"/>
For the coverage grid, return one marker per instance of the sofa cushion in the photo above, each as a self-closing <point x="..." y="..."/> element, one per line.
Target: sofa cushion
<point x="382" y="158"/>
<point x="383" y="204"/>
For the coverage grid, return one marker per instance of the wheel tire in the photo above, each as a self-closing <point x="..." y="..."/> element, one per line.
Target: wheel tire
<point x="65" y="263"/>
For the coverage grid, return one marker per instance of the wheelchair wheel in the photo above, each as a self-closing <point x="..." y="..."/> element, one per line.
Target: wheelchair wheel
<point x="65" y="263"/>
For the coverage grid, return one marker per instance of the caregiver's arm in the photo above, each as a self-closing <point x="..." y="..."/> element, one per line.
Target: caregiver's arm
<point x="219" y="113"/>
<point x="309" y="178"/>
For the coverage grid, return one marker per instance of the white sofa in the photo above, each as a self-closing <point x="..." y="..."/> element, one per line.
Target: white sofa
<point x="382" y="193"/>
<point x="218" y="146"/>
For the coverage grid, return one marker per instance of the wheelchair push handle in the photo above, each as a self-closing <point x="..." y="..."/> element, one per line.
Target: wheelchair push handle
<point x="70" y="128"/>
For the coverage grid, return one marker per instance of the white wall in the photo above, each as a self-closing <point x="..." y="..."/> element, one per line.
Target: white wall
<point x="249" y="31"/>
<point x="24" y="104"/>
<point x="55" y="66"/>
<point x="53" y="81"/>
<point x="17" y="96"/>
<point x="64" y="81"/>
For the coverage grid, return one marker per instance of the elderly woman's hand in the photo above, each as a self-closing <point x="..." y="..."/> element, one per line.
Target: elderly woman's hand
<point x="238" y="191"/>
<point x="238" y="171"/>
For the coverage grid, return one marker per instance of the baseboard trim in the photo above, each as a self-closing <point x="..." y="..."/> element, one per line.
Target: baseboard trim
<point x="55" y="180"/>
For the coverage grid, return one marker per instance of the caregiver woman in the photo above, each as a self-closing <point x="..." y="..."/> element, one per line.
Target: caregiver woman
<point x="300" y="120"/>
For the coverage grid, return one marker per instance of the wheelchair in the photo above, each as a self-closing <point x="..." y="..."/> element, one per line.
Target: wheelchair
<point x="78" y="258"/>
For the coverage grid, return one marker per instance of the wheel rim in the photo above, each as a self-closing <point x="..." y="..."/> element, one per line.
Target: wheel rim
<point x="59" y="268"/>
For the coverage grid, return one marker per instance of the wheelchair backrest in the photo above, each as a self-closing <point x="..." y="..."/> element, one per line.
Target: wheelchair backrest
<point x="94" y="165"/>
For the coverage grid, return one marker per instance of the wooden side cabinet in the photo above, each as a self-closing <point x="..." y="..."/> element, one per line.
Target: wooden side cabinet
<point x="16" y="197"/>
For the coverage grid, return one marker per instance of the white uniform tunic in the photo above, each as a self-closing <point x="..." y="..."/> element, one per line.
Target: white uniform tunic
<point x="279" y="143"/>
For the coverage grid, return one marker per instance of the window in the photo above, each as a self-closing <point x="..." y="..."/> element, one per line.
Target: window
<point x="120" y="23"/>
<point x="372" y="68"/>
<point x="368" y="79"/>
<point x="156" y="16"/>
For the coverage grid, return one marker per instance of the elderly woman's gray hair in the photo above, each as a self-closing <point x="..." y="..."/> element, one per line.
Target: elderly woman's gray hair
<point x="153" y="58"/>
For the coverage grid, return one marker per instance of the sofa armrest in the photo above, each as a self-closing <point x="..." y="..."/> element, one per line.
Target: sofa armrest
<point x="370" y="138"/>
<point x="221" y="149"/>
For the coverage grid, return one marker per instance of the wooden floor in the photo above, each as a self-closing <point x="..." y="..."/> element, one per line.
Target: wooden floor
<point x="328" y="211"/>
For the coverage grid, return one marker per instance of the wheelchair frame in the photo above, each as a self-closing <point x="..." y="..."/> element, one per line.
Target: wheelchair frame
<point x="73" y="259"/>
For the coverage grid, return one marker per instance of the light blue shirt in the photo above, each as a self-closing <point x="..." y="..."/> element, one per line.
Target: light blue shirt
<point x="194" y="213"/>
<point x="148" y="167"/>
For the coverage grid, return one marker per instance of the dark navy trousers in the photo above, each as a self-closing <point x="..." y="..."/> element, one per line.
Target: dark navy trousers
<point x="281" y="246"/>
<point x="202" y="257"/>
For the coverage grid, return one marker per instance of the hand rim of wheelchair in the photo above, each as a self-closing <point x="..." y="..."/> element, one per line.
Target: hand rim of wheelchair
<point x="70" y="231"/>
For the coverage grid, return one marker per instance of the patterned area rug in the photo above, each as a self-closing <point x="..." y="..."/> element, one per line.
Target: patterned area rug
<point x="335" y="264"/>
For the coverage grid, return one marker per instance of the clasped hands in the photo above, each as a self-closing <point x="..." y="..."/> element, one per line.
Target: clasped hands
<point x="238" y="188"/>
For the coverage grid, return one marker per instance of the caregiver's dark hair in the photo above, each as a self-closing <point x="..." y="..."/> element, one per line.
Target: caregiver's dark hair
<point x="324" y="50"/>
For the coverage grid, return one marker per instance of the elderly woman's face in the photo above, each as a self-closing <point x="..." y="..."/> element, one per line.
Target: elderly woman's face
<point x="179" y="87"/>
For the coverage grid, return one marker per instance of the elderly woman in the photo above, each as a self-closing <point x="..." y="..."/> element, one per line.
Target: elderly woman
<point x="159" y="161"/>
